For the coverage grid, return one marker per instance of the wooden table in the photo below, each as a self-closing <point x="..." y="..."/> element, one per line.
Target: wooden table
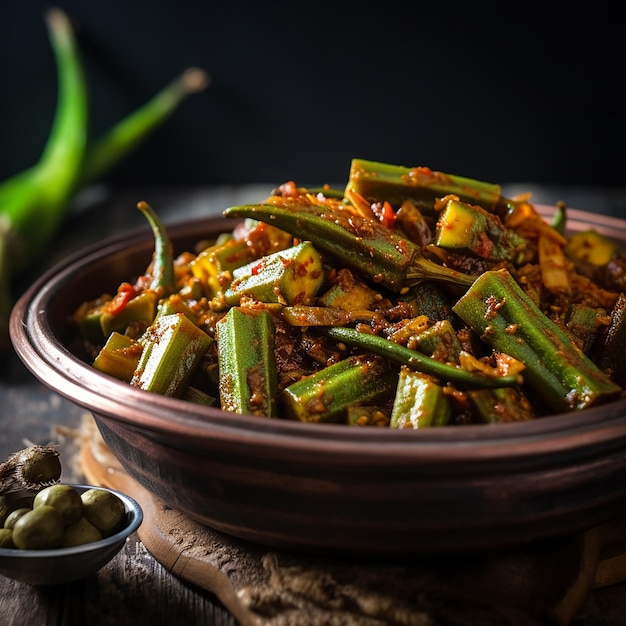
<point x="135" y="587"/>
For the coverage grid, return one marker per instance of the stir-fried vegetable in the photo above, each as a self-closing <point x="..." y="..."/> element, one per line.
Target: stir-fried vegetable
<point x="437" y="302"/>
<point x="34" y="202"/>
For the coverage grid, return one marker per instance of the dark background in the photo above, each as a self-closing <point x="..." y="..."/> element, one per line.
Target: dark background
<point x="519" y="93"/>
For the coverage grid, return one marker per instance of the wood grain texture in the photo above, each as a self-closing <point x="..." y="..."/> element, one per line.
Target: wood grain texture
<point x="540" y="584"/>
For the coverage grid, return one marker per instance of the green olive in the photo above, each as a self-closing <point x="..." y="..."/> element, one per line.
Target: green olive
<point x="6" y="538"/>
<point x="39" y="529"/>
<point x="80" y="532"/>
<point x="64" y="498"/>
<point x="104" y="510"/>
<point x="13" y="516"/>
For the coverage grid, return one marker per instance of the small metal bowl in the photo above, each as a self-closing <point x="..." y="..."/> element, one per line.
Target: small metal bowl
<point x="64" y="565"/>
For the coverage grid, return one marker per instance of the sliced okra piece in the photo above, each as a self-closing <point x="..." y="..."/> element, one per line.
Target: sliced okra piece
<point x="377" y="181"/>
<point x="213" y="267"/>
<point x="97" y="319"/>
<point x="584" y="324"/>
<point x="119" y="356"/>
<point x="197" y="396"/>
<point x="368" y="415"/>
<point x="141" y="308"/>
<point x="470" y="227"/>
<point x="590" y="248"/>
<point x="291" y="276"/>
<point x="175" y="304"/>
<point x="360" y="243"/>
<point x="350" y="293"/>
<point x="504" y="405"/>
<point x="440" y="342"/>
<point x="420" y="402"/>
<point x="173" y="346"/>
<point x="247" y="365"/>
<point x="325" y="395"/>
<point x="428" y="298"/>
<point x="508" y="321"/>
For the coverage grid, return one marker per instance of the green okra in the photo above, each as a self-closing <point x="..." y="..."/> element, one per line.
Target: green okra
<point x="173" y="347"/>
<point x="387" y="257"/>
<point x="504" y="405"/>
<point x="500" y="404"/>
<point x="419" y="402"/>
<point x="367" y="415"/>
<point x="213" y="267"/>
<point x="428" y="298"/>
<point x="463" y="226"/>
<point x="418" y="361"/>
<point x="325" y="395"/>
<point x="302" y="315"/>
<point x="349" y="293"/>
<point x="291" y="276"/>
<point x="582" y="324"/>
<point x="420" y="185"/>
<point x="506" y="319"/>
<point x="440" y="342"/>
<point x="248" y="382"/>
<point x="119" y="357"/>
<point x="197" y="396"/>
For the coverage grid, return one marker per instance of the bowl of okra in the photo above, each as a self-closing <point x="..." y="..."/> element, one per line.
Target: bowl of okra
<point x="410" y="364"/>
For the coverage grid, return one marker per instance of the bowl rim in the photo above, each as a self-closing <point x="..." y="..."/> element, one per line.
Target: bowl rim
<point x="132" y="508"/>
<point x="55" y="365"/>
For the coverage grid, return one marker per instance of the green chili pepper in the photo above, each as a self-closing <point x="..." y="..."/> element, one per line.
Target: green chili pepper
<point x="363" y="244"/>
<point x="416" y="360"/>
<point x="162" y="269"/>
<point x="497" y="309"/>
<point x="34" y="202"/>
<point x="129" y="132"/>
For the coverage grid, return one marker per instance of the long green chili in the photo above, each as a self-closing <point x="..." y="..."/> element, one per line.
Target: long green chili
<point x="416" y="360"/>
<point x="34" y="202"/>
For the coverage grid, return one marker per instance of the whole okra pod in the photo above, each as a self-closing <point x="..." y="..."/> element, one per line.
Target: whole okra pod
<point x="506" y="319"/>
<point x="387" y="257"/>
<point x="421" y="185"/>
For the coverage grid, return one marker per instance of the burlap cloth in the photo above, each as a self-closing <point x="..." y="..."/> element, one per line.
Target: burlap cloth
<point x="531" y="585"/>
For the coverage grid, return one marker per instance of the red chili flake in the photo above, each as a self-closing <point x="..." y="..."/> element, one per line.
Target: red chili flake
<point x="125" y="293"/>
<point x="256" y="268"/>
<point x="388" y="216"/>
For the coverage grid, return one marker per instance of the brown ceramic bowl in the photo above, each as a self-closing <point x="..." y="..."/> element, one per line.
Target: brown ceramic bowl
<point x="327" y="488"/>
